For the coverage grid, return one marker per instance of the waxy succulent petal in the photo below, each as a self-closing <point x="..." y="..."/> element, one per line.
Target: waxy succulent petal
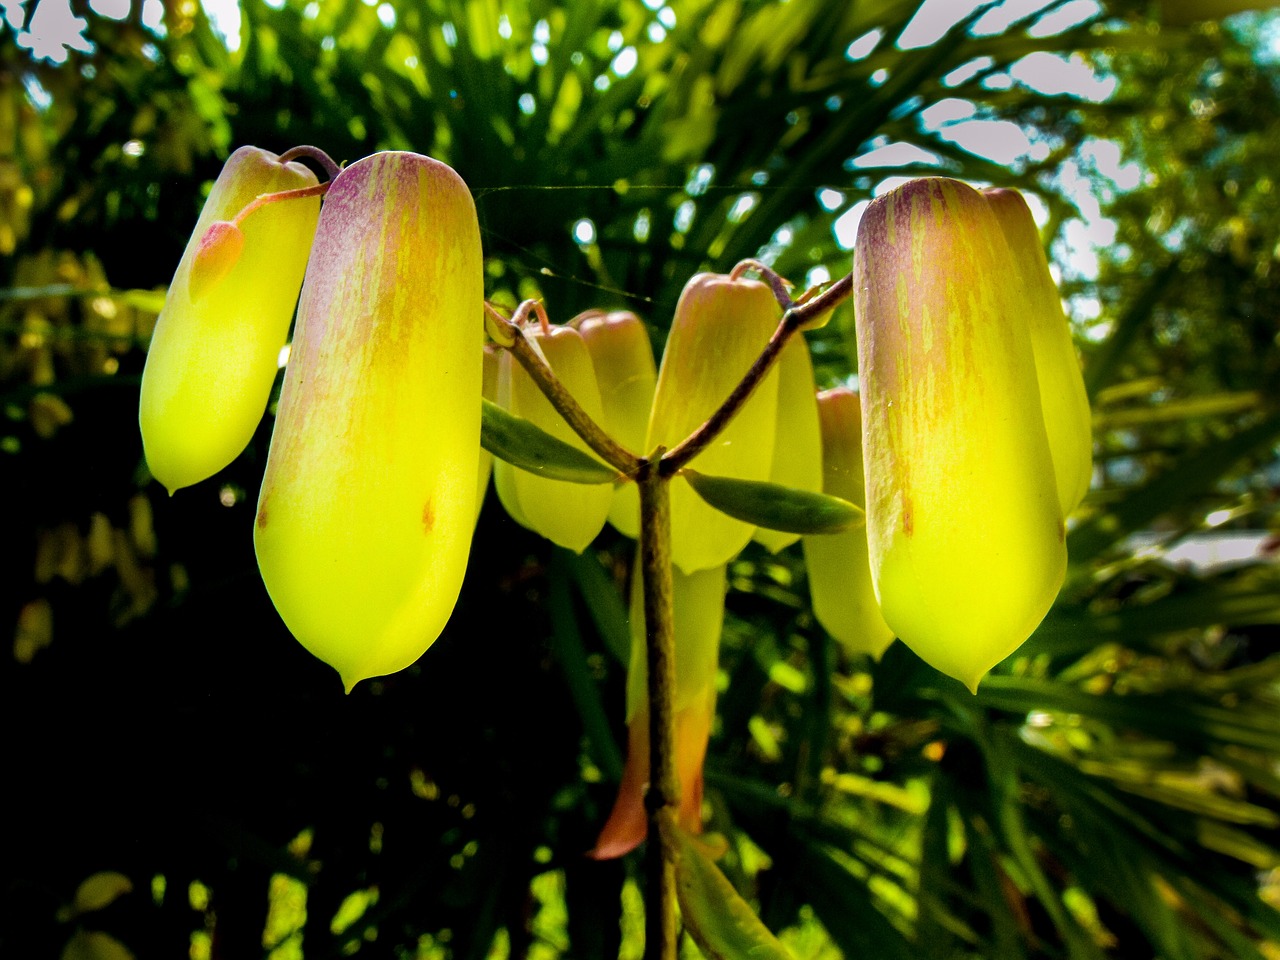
<point x="1063" y="399"/>
<point x="567" y="514"/>
<point x="215" y="351"/>
<point x="623" y="357"/>
<point x="844" y="599"/>
<point x="366" y="511"/>
<point x="964" y="528"/>
<point x="697" y="603"/>
<point x="797" y="452"/>
<point x="720" y="327"/>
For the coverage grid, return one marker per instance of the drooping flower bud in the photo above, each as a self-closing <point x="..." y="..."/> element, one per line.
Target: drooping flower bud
<point x="797" y="447"/>
<point x="568" y="514"/>
<point x="368" y="504"/>
<point x="844" y="600"/>
<point x="964" y="529"/>
<point x="697" y="602"/>
<point x="215" y="351"/>
<point x="623" y="357"/>
<point x="720" y="327"/>
<point x="1063" y="399"/>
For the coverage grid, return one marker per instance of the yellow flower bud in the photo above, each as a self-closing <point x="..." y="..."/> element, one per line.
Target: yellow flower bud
<point x="720" y="327"/>
<point x="797" y="449"/>
<point x="623" y="357"/>
<point x="697" y="602"/>
<point x="844" y="601"/>
<point x="215" y="351"/>
<point x="1063" y="400"/>
<point x="567" y="514"/>
<point x="368" y="504"/>
<point x="964" y="530"/>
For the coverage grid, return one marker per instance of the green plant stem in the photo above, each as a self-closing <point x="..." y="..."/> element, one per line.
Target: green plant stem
<point x="664" y="787"/>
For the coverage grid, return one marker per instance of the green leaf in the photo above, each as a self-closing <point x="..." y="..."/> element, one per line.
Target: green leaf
<point x="721" y="923"/>
<point x="531" y="448"/>
<point x="775" y="506"/>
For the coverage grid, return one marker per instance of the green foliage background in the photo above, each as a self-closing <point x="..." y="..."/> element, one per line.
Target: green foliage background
<point x="1111" y="791"/>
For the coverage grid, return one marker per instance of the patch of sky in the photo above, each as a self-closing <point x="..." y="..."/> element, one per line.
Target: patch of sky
<point x="934" y="18"/>
<point x="657" y="32"/>
<point x="615" y="41"/>
<point x="625" y="61"/>
<point x="967" y="71"/>
<point x="40" y="98"/>
<point x="50" y="31"/>
<point x="542" y="32"/>
<point x="862" y="48"/>
<point x="450" y="34"/>
<point x="527" y="104"/>
<point x="893" y="155"/>
<point x="906" y="108"/>
<point x="584" y="232"/>
<point x="830" y="199"/>
<point x="1055" y="75"/>
<point x="602" y="83"/>
<point x="699" y="179"/>
<point x="683" y="219"/>
<point x="641" y="229"/>
<point x="878" y="78"/>
<point x="504" y="27"/>
<point x="742" y="206"/>
<point x="653" y="4"/>
<point x="224" y="16"/>
<point x="387" y="15"/>
<point x="667" y="17"/>
<point x="816" y="275"/>
<point x="845" y="228"/>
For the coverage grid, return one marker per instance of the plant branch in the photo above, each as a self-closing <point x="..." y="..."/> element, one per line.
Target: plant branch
<point x="664" y="787"/>
<point x="315" y="154"/>
<point x="508" y="335"/>
<point x="795" y="317"/>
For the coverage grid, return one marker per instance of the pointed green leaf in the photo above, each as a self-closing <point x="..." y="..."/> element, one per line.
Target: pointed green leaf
<point x="528" y="447"/>
<point x="721" y="923"/>
<point x="775" y="506"/>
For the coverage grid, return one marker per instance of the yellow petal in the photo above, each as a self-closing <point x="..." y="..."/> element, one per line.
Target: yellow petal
<point x="720" y="327"/>
<point x="1063" y="400"/>
<point x="797" y="451"/>
<point x="568" y="514"/>
<point x="368" y="504"/>
<point x="214" y="355"/>
<point x="844" y="600"/>
<point x="623" y="357"/>
<point x="963" y="525"/>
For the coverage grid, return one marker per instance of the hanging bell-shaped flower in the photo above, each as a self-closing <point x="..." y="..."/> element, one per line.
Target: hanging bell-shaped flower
<point x="964" y="527"/>
<point x="844" y="600"/>
<point x="567" y="514"/>
<point x="623" y="357"/>
<point x="697" y="602"/>
<point x="1063" y="399"/>
<point x="368" y="504"/>
<point x="797" y="448"/>
<point x="215" y="351"/>
<point x="721" y="326"/>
